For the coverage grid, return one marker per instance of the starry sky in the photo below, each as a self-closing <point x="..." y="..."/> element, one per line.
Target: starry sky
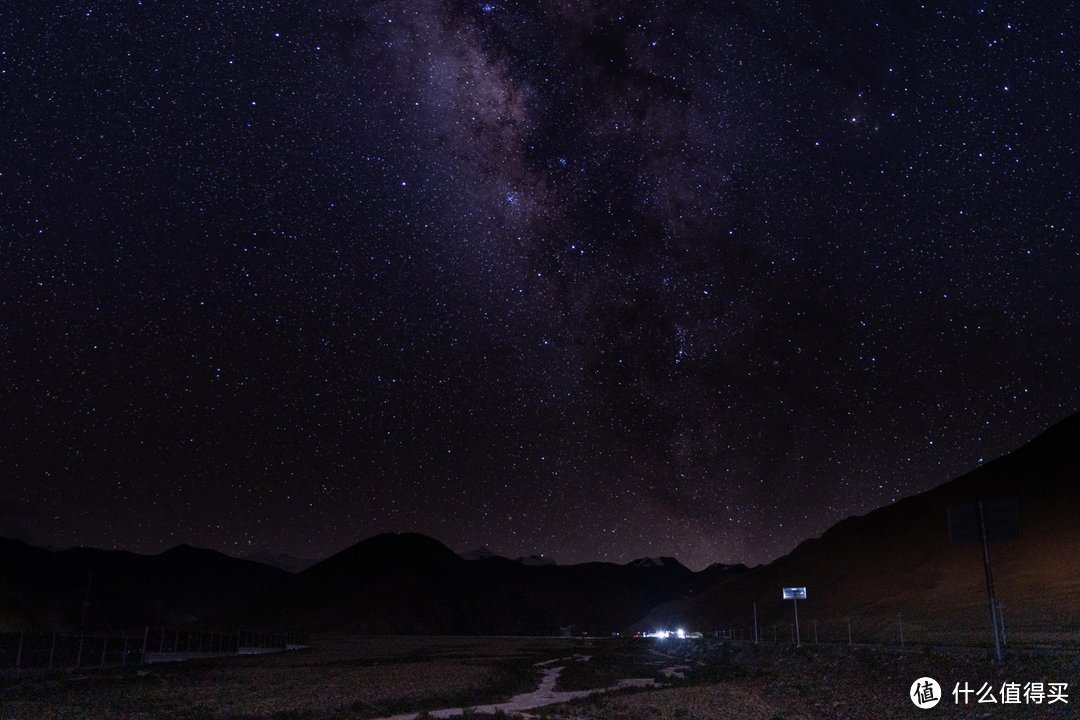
<point x="590" y="279"/>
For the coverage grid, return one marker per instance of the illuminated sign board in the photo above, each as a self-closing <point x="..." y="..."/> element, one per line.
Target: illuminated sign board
<point x="796" y="593"/>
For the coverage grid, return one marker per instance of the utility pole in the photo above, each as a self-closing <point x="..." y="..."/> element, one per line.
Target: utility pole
<point x="989" y="581"/>
<point x="983" y="522"/>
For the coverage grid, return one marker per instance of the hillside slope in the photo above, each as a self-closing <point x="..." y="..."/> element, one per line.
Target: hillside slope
<point x="899" y="559"/>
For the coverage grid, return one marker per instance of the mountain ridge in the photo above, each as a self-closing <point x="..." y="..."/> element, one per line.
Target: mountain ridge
<point x="894" y="559"/>
<point x="43" y="589"/>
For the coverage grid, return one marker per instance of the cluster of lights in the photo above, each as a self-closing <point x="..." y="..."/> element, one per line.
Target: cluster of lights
<point x="665" y="634"/>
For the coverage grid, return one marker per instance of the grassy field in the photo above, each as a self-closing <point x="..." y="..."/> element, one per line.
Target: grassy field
<point x="356" y="678"/>
<point x="335" y="678"/>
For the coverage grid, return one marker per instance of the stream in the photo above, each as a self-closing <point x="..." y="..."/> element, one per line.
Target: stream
<point x="544" y="694"/>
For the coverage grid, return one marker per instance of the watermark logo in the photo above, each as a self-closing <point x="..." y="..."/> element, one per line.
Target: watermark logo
<point x="925" y="693"/>
<point x="1012" y="693"/>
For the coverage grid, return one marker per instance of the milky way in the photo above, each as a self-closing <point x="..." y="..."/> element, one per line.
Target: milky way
<point x="571" y="278"/>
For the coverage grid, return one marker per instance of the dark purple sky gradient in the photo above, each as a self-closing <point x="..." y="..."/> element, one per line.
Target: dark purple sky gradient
<point x="574" y="278"/>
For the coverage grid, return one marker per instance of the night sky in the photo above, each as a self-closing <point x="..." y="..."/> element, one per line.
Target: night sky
<point x="561" y="277"/>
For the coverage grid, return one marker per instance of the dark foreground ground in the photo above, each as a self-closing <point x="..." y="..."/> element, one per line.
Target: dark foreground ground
<point x="357" y="678"/>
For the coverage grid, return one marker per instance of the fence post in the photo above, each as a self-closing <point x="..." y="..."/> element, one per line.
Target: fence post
<point x="849" y="632"/>
<point x="52" y="651"/>
<point x="815" y="632"/>
<point x="901" y="617"/>
<point x="145" y="637"/>
<point x="18" y="653"/>
<point x="104" y="644"/>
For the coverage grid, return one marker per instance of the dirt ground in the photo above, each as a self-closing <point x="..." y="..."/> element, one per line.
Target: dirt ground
<point x="355" y="678"/>
<point x="744" y="682"/>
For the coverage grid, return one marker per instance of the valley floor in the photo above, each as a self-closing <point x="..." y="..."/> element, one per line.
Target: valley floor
<point x="358" y="678"/>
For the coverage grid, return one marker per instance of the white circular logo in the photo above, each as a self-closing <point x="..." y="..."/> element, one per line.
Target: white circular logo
<point x="925" y="693"/>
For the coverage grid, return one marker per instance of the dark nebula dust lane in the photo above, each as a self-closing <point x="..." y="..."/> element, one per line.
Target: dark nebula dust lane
<point x="570" y="278"/>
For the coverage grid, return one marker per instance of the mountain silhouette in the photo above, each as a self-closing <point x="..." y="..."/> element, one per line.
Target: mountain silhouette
<point x="106" y="589"/>
<point x="899" y="559"/>
<point x="896" y="560"/>
<point x="411" y="583"/>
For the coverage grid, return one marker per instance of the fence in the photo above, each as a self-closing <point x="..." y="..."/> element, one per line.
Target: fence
<point x="905" y="630"/>
<point x="54" y="651"/>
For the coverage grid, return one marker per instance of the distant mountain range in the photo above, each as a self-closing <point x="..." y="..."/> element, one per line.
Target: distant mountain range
<point x="897" y="559"/>
<point x="411" y="583"/>
<point x="82" y="587"/>
<point x="286" y="562"/>
<point x="484" y="553"/>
